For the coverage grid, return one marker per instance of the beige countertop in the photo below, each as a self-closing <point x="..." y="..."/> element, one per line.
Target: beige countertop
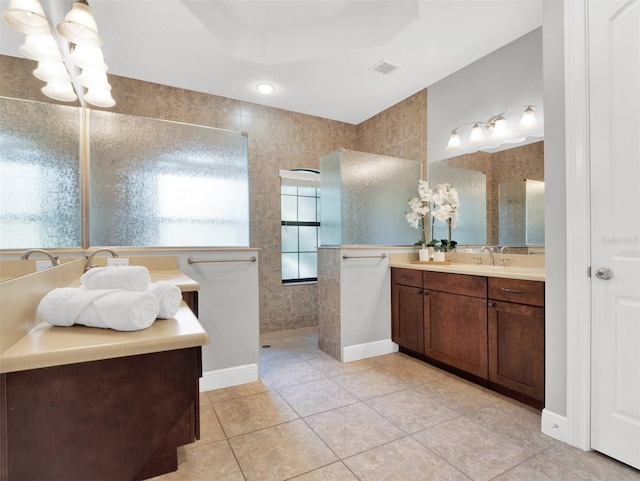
<point x="529" y="268"/>
<point x="46" y="345"/>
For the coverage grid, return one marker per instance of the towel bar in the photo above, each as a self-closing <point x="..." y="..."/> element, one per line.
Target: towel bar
<point x="347" y="256"/>
<point x="191" y="260"/>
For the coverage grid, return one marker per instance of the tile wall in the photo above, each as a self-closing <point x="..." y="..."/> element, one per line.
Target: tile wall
<point x="278" y="139"/>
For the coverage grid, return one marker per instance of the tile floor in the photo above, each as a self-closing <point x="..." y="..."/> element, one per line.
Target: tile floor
<point x="312" y="418"/>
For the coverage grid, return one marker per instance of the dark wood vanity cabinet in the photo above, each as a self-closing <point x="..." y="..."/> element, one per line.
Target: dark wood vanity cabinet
<point x="407" y="325"/>
<point x="455" y="321"/>
<point x="516" y="335"/>
<point x="487" y="327"/>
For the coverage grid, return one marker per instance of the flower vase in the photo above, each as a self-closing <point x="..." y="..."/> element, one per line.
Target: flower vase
<point x="423" y="254"/>
<point x="439" y="256"/>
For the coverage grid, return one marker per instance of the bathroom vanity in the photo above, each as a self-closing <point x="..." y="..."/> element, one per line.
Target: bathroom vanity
<point x="480" y="322"/>
<point x="79" y="403"/>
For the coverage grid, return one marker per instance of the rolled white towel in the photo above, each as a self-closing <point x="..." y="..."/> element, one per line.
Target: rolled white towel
<point x="106" y="308"/>
<point x="130" y="278"/>
<point x="169" y="298"/>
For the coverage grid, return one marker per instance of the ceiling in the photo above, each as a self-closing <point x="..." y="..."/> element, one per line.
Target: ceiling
<point x="319" y="54"/>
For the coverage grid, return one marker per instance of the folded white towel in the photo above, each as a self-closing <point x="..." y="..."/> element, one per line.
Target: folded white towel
<point x="130" y="278"/>
<point x="106" y="308"/>
<point x="169" y="298"/>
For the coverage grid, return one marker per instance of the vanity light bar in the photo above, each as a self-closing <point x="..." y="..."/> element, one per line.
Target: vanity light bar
<point x="79" y="28"/>
<point x="498" y="130"/>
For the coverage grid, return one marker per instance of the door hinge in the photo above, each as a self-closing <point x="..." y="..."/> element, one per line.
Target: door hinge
<point x="589" y="271"/>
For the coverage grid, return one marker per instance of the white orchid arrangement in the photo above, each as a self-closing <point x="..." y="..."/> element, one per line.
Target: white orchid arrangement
<point x="443" y="202"/>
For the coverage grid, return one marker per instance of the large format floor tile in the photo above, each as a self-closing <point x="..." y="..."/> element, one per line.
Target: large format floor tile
<point x="280" y="452"/>
<point x="392" y="417"/>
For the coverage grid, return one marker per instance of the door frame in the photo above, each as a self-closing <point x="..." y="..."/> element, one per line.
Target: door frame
<point x="578" y="237"/>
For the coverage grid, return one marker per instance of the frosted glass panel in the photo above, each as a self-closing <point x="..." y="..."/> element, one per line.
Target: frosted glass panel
<point x="511" y="213"/>
<point x="158" y="183"/>
<point x="472" y="215"/>
<point x="535" y="212"/>
<point x="364" y="198"/>
<point x="39" y="175"/>
<point x="331" y="199"/>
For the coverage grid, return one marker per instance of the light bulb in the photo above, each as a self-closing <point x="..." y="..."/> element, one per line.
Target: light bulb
<point x="59" y="91"/>
<point x="41" y="48"/>
<point x="476" y="137"/>
<point x="91" y="78"/>
<point x="100" y="96"/>
<point x="88" y="57"/>
<point x="499" y="129"/>
<point x="27" y="16"/>
<point x="54" y="72"/>
<point x="529" y="120"/>
<point x="454" y="142"/>
<point x="80" y="27"/>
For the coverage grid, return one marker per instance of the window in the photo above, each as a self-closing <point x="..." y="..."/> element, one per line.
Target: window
<point x="300" y="225"/>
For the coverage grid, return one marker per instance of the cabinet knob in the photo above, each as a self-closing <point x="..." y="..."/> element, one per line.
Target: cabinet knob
<point x="407" y="277"/>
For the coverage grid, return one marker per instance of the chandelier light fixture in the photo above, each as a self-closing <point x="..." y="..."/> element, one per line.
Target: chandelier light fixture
<point x="69" y="58"/>
<point x="499" y="129"/>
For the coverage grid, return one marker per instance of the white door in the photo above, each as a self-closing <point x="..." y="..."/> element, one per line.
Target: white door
<point x="614" y="75"/>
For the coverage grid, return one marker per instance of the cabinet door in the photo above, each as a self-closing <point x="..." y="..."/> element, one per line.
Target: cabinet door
<point x="407" y="329"/>
<point x="516" y="347"/>
<point x="456" y="331"/>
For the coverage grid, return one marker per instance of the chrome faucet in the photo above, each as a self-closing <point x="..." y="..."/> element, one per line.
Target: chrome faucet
<point x="54" y="260"/>
<point x="493" y="262"/>
<point x="113" y="252"/>
<point x="504" y="250"/>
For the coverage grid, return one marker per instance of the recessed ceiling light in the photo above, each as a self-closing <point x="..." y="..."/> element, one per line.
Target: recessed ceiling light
<point x="265" y="88"/>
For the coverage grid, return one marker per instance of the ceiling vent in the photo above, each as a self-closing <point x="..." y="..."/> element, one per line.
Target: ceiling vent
<point x="385" y="67"/>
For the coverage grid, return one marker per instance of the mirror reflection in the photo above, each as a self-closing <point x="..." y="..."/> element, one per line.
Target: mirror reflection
<point x="501" y="195"/>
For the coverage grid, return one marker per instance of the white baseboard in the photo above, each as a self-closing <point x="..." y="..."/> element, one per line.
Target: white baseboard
<point x="231" y="376"/>
<point x="554" y="425"/>
<point x="369" y="349"/>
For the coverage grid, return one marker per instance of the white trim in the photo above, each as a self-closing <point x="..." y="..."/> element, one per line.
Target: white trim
<point x="369" y="349"/>
<point x="554" y="425"/>
<point x="578" y="225"/>
<point x="231" y="376"/>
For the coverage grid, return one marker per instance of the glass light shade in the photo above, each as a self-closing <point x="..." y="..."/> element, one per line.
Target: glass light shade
<point x="59" y="91"/>
<point x="80" y="27"/>
<point x="54" y="72"/>
<point x="528" y="120"/>
<point x="499" y="130"/>
<point x="84" y="57"/>
<point x="93" y="79"/>
<point x="100" y="97"/>
<point x="41" y="49"/>
<point x="454" y="142"/>
<point x="476" y="137"/>
<point x="27" y="16"/>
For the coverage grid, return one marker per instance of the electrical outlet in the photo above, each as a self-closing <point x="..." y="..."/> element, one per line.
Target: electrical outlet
<point x="42" y="265"/>
<point x="118" y="261"/>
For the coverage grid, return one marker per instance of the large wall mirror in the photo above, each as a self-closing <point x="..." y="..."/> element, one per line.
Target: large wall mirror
<point x="501" y="186"/>
<point x="501" y="195"/>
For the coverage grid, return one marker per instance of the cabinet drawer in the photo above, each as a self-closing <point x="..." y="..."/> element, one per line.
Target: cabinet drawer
<point x="516" y="290"/>
<point x="474" y="286"/>
<point x="406" y="277"/>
